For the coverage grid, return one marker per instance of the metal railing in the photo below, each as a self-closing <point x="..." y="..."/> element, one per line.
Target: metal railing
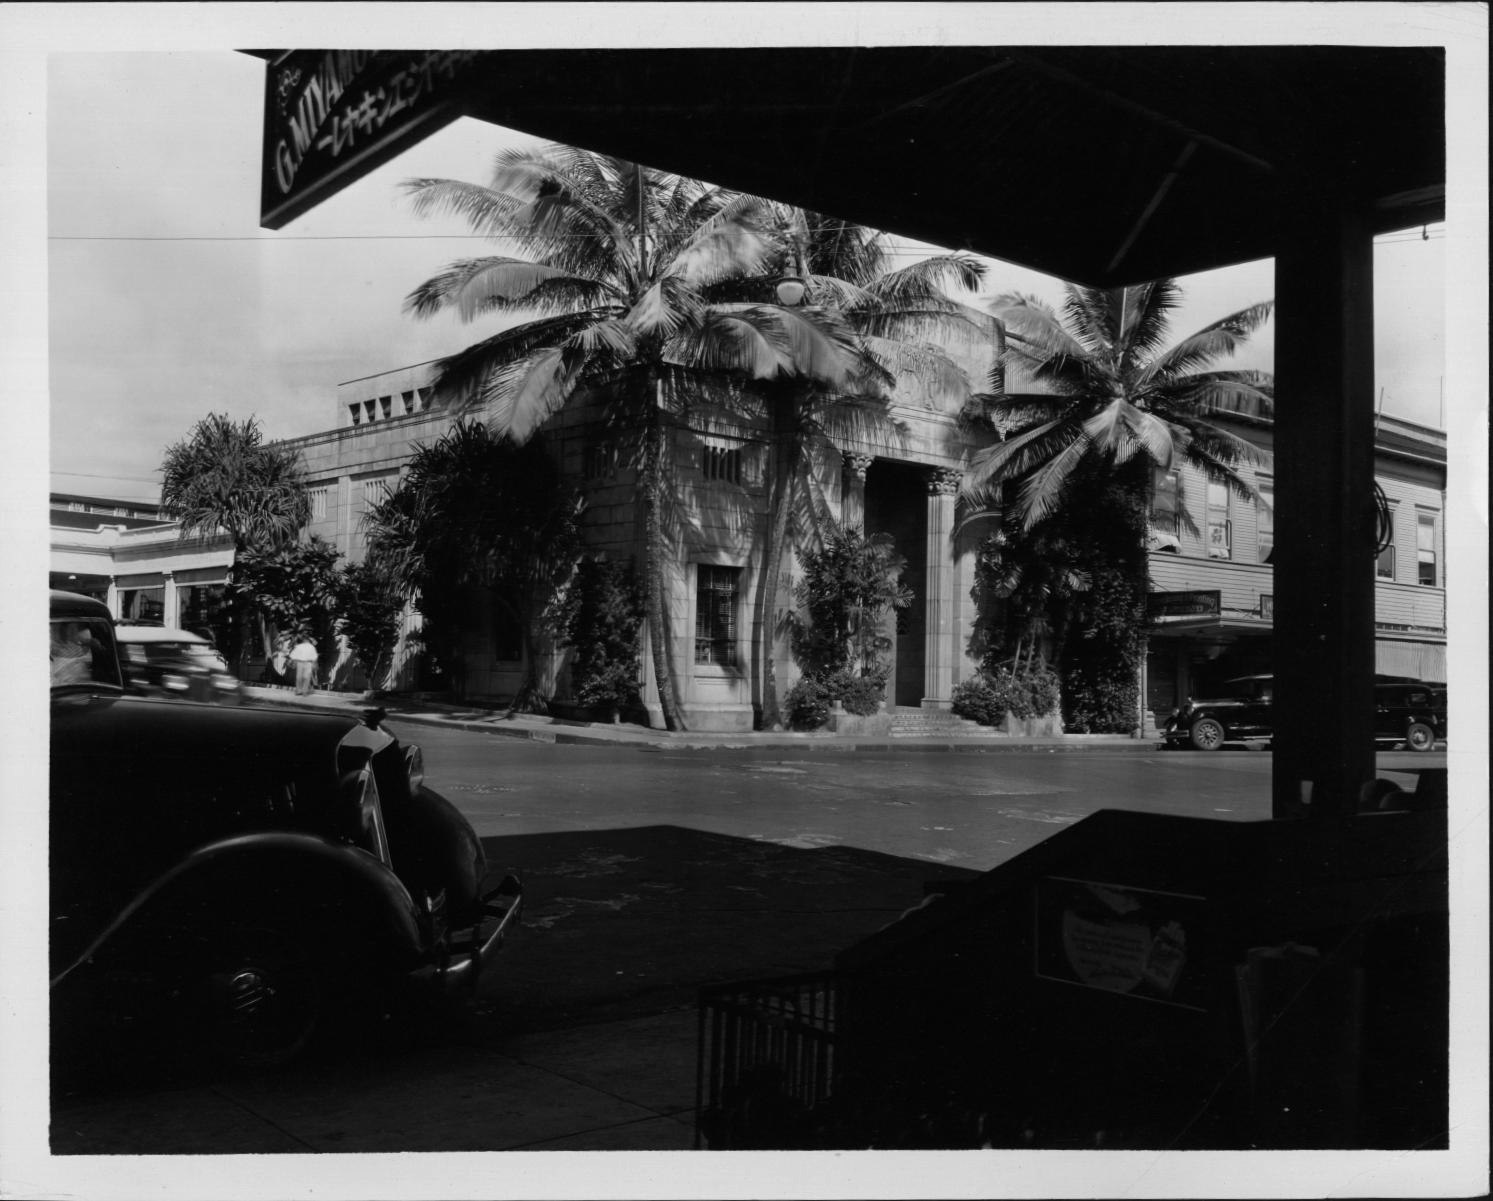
<point x="766" y="1061"/>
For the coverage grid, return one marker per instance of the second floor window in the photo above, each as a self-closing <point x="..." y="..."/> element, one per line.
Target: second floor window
<point x="722" y="463"/>
<point x="1265" y="521"/>
<point x="1218" y="520"/>
<point x="716" y="600"/>
<point x="1425" y="549"/>
<point x="1166" y="502"/>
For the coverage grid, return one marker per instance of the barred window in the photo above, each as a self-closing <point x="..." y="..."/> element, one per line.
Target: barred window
<point x="599" y="461"/>
<point x="318" y="498"/>
<point x="722" y="463"/>
<point x="716" y="599"/>
<point x="375" y="491"/>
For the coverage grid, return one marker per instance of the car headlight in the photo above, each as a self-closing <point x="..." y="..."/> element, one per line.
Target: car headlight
<point x="414" y="767"/>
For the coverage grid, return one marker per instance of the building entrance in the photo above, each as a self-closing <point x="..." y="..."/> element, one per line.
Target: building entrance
<point x="897" y="504"/>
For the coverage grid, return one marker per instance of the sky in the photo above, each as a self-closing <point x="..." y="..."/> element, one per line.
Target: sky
<point x="137" y="294"/>
<point x="167" y="301"/>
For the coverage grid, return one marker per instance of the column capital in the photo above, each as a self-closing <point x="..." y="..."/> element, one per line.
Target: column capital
<point x="857" y="466"/>
<point x="944" y="481"/>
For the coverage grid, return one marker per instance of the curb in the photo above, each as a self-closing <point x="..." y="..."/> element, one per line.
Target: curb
<point x="569" y="733"/>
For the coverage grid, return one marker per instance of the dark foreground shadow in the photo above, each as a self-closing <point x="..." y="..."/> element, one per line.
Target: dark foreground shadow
<point x="624" y="922"/>
<point x="618" y="924"/>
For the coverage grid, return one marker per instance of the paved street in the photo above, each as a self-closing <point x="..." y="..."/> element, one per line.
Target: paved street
<point x="648" y="874"/>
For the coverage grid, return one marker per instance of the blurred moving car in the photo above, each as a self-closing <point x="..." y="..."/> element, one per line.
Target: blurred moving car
<point x="236" y="879"/>
<point x="1406" y="712"/>
<point x="161" y="661"/>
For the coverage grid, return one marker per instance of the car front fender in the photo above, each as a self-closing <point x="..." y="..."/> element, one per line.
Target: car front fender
<point x="277" y="868"/>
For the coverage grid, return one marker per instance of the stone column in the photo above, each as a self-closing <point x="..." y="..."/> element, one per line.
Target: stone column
<point x="169" y="615"/>
<point x="938" y="645"/>
<point x="112" y="598"/>
<point x="853" y="492"/>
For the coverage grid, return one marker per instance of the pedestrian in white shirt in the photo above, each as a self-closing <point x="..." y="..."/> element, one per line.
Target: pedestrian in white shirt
<point x="303" y="655"/>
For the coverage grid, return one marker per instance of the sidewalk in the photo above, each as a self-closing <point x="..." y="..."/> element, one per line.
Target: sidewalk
<point x="537" y="728"/>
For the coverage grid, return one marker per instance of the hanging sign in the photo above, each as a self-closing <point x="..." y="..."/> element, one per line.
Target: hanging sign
<point x="331" y="116"/>
<point x="1183" y="604"/>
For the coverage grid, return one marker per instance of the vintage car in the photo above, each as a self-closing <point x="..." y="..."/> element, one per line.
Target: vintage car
<point x="161" y="661"/>
<point x="236" y="877"/>
<point x="1406" y="712"/>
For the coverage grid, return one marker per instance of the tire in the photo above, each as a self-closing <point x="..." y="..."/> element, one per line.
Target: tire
<point x="254" y="995"/>
<point x="1206" y="734"/>
<point x="1420" y="737"/>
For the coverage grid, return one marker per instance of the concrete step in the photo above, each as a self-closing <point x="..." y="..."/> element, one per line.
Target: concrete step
<point x="933" y="723"/>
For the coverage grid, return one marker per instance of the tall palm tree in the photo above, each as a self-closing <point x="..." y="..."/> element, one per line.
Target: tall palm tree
<point x="222" y="476"/>
<point x="1076" y="459"/>
<point x="907" y="332"/>
<point x="615" y="261"/>
<point x="1116" y="396"/>
<point x="476" y="510"/>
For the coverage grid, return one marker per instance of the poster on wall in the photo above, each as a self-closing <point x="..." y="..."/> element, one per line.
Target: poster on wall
<point x="1134" y="941"/>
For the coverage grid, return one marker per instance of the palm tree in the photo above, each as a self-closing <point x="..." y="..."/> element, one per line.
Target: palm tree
<point x="904" y="323"/>
<point x="617" y="259"/>
<point x="476" y="510"/>
<point x="1076" y="460"/>
<point x="1116" y="397"/>
<point x="223" y="476"/>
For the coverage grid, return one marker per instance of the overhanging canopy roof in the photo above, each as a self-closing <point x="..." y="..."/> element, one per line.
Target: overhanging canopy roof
<point x="1103" y="165"/>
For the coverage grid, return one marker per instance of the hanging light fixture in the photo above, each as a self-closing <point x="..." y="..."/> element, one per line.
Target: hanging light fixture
<point x="791" y="290"/>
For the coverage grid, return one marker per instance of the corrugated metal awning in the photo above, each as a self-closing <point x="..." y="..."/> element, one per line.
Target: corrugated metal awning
<point x="1415" y="660"/>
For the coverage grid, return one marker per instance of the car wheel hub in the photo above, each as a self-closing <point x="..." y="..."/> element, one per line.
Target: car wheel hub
<point x="250" y="995"/>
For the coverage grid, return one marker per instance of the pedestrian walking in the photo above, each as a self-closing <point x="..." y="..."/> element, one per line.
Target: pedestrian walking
<point x="304" y="657"/>
<point x="279" y="671"/>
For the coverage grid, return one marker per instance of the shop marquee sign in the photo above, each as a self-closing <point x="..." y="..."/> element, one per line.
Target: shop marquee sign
<point x="331" y="116"/>
<point x="1182" y="604"/>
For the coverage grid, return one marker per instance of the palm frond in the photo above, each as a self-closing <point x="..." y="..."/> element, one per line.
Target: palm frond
<point x="1146" y="317"/>
<point x="1251" y="393"/>
<point x="522" y="396"/>
<point x="994" y="465"/>
<point x="1042" y="492"/>
<point x="473" y="286"/>
<point x="1208" y="345"/>
<point x="1219" y="445"/>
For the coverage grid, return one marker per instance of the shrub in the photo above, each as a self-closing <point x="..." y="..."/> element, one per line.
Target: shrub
<point x="603" y="628"/>
<point x="978" y="700"/>
<point x="860" y="695"/>
<point x="807" y="704"/>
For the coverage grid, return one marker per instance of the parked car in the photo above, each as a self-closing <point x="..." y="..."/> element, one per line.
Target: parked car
<point x="161" y="661"/>
<point x="240" y="877"/>
<point x="1241" y="714"/>
<point x="1405" y="712"/>
<point x="1413" y="713"/>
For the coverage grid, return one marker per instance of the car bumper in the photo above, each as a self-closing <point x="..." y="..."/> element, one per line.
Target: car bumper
<point x="468" y="951"/>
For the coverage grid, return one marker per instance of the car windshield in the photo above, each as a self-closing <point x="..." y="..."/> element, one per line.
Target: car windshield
<point x="188" y="654"/>
<point x="83" y="653"/>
